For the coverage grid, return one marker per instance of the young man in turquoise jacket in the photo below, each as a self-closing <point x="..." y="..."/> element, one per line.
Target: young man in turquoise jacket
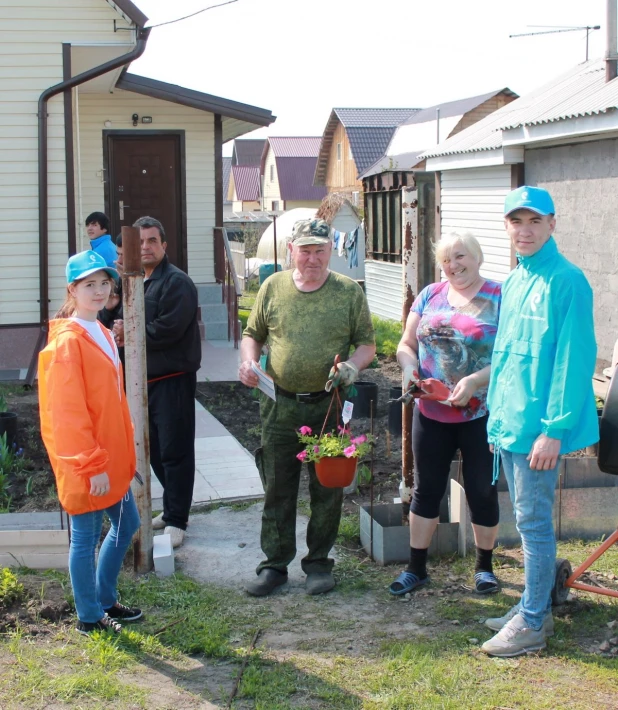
<point x="541" y="403"/>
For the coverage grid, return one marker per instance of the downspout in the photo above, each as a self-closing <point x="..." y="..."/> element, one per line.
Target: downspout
<point x="142" y="38"/>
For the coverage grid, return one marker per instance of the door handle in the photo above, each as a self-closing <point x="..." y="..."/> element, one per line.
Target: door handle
<point x="121" y="206"/>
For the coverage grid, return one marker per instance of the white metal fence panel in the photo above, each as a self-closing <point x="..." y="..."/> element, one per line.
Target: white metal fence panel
<point x="238" y="257"/>
<point x="384" y="288"/>
<point x="472" y="200"/>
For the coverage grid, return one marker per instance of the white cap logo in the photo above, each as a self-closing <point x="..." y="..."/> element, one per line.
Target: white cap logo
<point x="93" y="257"/>
<point x="524" y="195"/>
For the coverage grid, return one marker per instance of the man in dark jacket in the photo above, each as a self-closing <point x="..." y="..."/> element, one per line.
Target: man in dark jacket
<point x="173" y="354"/>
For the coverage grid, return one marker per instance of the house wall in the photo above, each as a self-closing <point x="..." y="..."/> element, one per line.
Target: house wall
<point x="310" y="204"/>
<point x="271" y="189"/>
<point x="198" y="126"/>
<point x="472" y="200"/>
<point x="341" y="174"/>
<point x="31" y="37"/>
<point x="583" y="180"/>
<point x="482" y="111"/>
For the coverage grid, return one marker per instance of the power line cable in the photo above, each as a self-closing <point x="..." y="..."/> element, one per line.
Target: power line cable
<point x="193" y="14"/>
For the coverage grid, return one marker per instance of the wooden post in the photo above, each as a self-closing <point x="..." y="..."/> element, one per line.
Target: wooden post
<point x="410" y="277"/>
<point x="137" y="389"/>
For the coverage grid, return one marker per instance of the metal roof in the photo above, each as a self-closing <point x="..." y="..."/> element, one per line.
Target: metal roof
<point x="248" y="151"/>
<point x="295" y="177"/>
<point x="227" y="171"/>
<point x="373" y="117"/>
<point x="246" y="182"/>
<point x="368" y="145"/>
<point x="582" y="91"/>
<point x="295" y="146"/>
<point x="455" y="108"/>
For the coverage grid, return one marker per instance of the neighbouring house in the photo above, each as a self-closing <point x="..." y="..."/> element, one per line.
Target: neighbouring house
<point x="287" y="168"/>
<point x="248" y="151"/>
<point x="244" y="188"/>
<point x="353" y="139"/>
<point x="226" y="167"/>
<point x="105" y="139"/>
<point x="563" y="137"/>
<point x="399" y="191"/>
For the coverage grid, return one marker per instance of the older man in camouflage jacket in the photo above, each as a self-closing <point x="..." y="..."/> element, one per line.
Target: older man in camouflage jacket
<point x="306" y="316"/>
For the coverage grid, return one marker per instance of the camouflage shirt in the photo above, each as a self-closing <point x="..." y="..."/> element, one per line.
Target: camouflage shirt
<point x="305" y="330"/>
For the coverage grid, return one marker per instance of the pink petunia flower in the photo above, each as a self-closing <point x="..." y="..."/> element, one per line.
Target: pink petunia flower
<point x="342" y="429"/>
<point x="305" y="430"/>
<point x="359" y="439"/>
<point x="350" y="450"/>
<point x="301" y="456"/>
<point x="316" y="449"/>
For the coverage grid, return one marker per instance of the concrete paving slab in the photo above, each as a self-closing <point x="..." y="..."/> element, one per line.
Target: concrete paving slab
<point x="224" y="469"/>
<point x="220" y="361"/>
<point x="223" y="547"/>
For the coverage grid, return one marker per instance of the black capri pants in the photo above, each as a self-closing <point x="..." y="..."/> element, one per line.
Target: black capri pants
<point x="434" y="444"/>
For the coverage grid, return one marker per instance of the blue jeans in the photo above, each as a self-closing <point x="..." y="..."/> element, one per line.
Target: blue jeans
<point x="532" y="495"/>
<point x="94" y="585"/>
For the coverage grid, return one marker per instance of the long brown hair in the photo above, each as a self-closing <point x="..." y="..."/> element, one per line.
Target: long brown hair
<point x="67" y="309"/>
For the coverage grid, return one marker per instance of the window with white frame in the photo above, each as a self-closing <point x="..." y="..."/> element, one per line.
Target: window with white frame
<point x="338" y="151"/>
<point x="272" y="173"/>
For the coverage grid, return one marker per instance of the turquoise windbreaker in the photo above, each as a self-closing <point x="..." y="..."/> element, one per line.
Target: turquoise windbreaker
<point x="544" y="357"/>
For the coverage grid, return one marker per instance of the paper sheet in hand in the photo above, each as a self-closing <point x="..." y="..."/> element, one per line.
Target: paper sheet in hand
<point x="265" y="382"/>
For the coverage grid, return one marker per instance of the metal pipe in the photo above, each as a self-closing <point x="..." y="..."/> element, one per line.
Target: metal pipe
<point x="611" y="70"/>
<point x="275" y="240"/>
<point x="137" y="389"/>
<point x="137" y="51"/>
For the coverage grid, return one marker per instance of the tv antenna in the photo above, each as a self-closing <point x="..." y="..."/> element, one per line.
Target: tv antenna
<point x="560" y="28"/>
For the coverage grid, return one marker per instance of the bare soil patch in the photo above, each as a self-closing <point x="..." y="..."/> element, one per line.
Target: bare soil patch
<point x="44" y="601"/>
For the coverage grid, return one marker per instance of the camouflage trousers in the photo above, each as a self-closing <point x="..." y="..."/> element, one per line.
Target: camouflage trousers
<point x="280" y="473"/>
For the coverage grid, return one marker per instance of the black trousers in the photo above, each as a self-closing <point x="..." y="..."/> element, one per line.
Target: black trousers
<point x="171" y="411"/>
<point x="434" y="444"/>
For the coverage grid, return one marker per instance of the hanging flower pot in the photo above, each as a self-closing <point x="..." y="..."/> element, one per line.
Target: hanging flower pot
<point x="336" y="471"/>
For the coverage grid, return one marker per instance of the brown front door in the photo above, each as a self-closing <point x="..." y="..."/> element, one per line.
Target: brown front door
<point x="146" y="180"/>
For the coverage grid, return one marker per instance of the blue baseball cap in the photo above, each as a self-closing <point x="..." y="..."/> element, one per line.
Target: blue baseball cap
<point x="535" y="199"/>
<point x="85" y="263"/>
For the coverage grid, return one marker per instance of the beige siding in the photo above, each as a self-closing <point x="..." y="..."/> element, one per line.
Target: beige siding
<point x="95" y="109"/>
<point x="31" y="37"/>
<point x="341" y="172"/>
<point x="271" y="189"/>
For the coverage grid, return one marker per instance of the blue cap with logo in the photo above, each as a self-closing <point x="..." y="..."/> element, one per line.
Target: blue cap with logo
<point x="85" y="263"/>
<point x="535" y="199"/>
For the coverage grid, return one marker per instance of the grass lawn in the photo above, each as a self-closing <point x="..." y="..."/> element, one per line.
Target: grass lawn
<point x="355" y="648"/>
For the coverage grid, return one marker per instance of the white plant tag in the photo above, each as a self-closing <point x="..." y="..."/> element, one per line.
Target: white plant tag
<point x="346" y="415"/>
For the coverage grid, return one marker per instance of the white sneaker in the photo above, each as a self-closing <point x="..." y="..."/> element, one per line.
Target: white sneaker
<point x="496" y="623"/>
<point x="515" y="639"/>
<point x="177" y="535"/>
<point x="158" y="522"/>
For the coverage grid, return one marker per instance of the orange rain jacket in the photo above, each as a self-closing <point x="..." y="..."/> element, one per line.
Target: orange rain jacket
<point x="85" y="421"/>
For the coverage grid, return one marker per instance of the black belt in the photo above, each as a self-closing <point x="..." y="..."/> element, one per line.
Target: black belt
<point x="303" y="397"/>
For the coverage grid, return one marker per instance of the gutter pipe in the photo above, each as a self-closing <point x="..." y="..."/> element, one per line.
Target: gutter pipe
<point x="137" y="51"/>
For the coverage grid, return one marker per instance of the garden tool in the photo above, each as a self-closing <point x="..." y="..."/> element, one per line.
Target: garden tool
<point x="342" y="374"/>
<point x="425" y="389"/>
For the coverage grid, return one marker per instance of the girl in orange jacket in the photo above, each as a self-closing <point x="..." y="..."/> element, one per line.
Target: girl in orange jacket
<point x="87" y="431"/>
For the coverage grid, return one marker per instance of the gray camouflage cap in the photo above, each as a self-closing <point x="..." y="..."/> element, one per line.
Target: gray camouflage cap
<point x="310" y="231"/>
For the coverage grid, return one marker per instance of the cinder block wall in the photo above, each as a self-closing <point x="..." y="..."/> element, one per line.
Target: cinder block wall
<point x="583" y="180"/>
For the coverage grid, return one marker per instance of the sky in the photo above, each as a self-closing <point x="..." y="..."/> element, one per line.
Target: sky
<point x="301" y="59"/>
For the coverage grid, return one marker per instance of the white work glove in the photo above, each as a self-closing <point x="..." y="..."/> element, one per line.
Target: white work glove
<point x="410" y="374"/>
<point x="343" y="376"/>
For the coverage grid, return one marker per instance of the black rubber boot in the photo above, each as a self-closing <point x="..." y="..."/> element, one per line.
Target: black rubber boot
<point x="267" y="580"/>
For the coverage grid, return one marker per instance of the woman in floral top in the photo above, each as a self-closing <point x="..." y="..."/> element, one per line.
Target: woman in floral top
<point x="450" y="336"/>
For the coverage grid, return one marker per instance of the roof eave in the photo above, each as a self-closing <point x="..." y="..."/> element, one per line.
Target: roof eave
<point x="130" y="10"/>
<point x="319" y="179"/>
<point x="194" y="99"/>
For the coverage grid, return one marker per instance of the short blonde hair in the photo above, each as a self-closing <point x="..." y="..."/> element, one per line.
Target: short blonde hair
<point x="446" y="245"/>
